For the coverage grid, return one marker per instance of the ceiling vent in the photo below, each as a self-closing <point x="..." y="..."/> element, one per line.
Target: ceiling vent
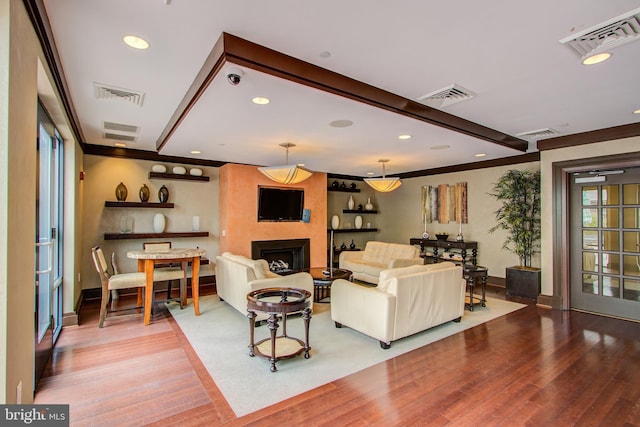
<point x="610" y="34"/>
<point x="447" y="96"/>
<point x="538" y="134"/>
<point x="119" y="131"/>
<point x="102" y="91"/>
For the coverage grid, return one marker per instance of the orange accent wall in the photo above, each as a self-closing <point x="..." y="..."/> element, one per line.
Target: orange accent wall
<point x="238" y="218"/>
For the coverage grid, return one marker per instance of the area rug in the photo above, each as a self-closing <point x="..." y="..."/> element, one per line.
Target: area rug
<point x="220" y="337"/>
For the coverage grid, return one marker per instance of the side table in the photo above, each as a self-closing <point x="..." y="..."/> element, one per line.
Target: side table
<point x="473" y="273"/>
<point x="322" y="283"/>
<point x="278" y="301"/>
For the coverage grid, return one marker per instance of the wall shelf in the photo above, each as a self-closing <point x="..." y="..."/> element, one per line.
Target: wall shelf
<point x="175" y="176"/>
<point x="352" y="230"/>
<point x="356" y="211"/>
<point x="122" y="236"/>
<point x="344" y="190"/>
<point x="111" y="204"/>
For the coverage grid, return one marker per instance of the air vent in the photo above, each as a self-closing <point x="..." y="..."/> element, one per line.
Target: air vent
<point x="106" y="92"/>
<point x="447" y="96"/>
<point x="610" y="34"/>
<point x="540" y="133"/>
<point x="119" y="127"/>
<point x="119" y="137"/>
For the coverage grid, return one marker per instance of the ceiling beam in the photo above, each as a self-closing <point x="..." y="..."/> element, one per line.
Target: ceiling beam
<point x="242" y="52"/>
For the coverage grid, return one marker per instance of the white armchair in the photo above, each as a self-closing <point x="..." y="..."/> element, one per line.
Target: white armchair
<point x="406" y="301"/>
<point x="237" y="275"/>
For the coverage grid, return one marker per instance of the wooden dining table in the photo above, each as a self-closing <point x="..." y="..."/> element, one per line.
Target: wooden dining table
<point x="147" y="259"/>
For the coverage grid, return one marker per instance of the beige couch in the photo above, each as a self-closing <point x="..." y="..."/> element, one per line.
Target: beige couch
<point x="378" y="256"/>
<point x="406" y="301"/>
<point x="237" y="275"/>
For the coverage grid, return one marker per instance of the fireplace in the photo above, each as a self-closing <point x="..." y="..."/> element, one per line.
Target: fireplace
<point x="283" y="256"/>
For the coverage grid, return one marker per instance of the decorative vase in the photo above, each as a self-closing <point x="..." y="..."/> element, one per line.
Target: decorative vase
<point x="352" y="186"/>
<point x="335" y="222"/>
<point x="335" y="184"/>
<point x="369" y="205"/>
<point x="352" y="245"/>
<point x="343" y="185"/>
<point x="121" y="192"/>
<point x="358" y="221"/>
<point x="158" y="223"/>
<point x="144" y="193"/>
<point x="343" y="246"/>
<point x="351" y="203"/>
<point x="163" y="194"/>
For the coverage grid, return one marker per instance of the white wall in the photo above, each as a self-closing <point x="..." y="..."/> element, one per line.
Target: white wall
<point x="402" y="213"/>
<point x="191" y="198"/>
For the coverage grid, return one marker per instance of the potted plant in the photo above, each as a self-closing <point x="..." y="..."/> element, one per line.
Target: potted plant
<point x="519" y="215"/>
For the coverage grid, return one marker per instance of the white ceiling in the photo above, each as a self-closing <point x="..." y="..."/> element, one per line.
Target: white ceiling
<point x="506" y="52"/>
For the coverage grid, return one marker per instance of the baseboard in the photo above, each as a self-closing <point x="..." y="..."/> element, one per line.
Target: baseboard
<point x="70" y="319"/>
<point x="550" y="301"/>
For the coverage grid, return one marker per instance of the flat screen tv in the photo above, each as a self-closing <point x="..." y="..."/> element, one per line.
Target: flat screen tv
<point x="280" y="204"/>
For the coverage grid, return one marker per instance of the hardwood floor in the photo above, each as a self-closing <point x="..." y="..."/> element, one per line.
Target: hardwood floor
<point x="534" y="367"/>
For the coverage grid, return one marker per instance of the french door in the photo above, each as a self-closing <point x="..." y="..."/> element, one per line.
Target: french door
<point x="605" y="242"/>
<point x="48" y="244"/>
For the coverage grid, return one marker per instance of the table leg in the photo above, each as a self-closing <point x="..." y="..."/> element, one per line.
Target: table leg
<point x="484" y="290"/>
<point x="195" y="284"/>
<point x="148" y="298"/>
<point x="252" y="325"/>
<point x="273" y="327"/>
<point x="306" y="316"/>
<point x="140" y="299"/>
<point x="183" y="285"/>
<point x="472" y="284"/>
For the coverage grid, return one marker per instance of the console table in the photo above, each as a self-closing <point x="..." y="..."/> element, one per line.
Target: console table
<point x="445" y="246"/>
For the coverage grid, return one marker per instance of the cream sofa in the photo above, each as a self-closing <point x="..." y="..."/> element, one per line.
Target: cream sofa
<point x="378" y="256"/>
<point x="406" y="301"/>
<point x="237" y="275"/>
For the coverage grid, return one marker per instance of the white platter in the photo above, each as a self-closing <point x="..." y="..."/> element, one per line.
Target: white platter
<point x="179" y="170"/>
<point x="159" y="168"/>
<point x="195" y="172"/>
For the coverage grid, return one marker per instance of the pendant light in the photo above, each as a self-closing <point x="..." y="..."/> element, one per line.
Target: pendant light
<point x="287" y="174"/>
<point x="384" y="184"/>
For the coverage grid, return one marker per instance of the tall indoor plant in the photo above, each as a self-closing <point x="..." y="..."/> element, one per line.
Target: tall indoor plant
<point x="519" y="215"/>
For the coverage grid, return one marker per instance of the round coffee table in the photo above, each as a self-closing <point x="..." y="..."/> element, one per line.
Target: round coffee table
<point x="322" y="282"/>
<point x="279" y="301"/>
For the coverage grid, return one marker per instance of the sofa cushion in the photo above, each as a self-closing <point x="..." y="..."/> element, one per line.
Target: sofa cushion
<point x="387" y="275"/>
<point x="256" y="266"/>
<point x="383" y="252"/>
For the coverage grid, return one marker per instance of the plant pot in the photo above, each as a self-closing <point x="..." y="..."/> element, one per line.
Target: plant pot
<point x="523" y="282"/>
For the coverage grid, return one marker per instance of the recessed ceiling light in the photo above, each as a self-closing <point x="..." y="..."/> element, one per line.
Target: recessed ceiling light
<point x="440" y="147"/>
<point x="340" y="123"/>
<point x="596" y="59"/>
<point x="637" y="111"/>
<point x="196" y="152"/>
<point x="325" y="54"/>
<point x="120" y="144"/>
<point x="260" y="100"/>
<point x="481" y="154"/>
<point x="405" y="136"/>
<point x="136" y="42"/>
<point x="370" y="173"/>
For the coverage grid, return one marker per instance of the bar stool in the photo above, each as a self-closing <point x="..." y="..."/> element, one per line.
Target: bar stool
<point x="471" y="274"/>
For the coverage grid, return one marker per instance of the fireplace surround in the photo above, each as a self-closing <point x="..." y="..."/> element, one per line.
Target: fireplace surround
<point x="283" y="256"/>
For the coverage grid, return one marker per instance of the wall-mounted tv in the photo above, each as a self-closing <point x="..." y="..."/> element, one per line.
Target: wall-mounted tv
<point x="280" y="204"/>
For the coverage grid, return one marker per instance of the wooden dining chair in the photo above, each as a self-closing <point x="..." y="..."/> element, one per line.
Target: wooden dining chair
<point x="168" y="274"/>
<point x="112" y="282"/>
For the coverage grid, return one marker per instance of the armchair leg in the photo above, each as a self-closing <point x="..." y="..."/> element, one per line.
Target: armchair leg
<point x="457" y="320"/>
<point x="385" y="345"/>
<point x="338" y="325"/>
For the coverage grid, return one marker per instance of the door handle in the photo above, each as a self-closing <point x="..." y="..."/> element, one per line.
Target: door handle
<point x="49" y="269"/>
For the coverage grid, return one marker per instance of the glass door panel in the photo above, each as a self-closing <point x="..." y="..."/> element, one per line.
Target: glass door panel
<point x="605" y="224"/>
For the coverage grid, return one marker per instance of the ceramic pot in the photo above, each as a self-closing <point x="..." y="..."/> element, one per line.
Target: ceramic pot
<point x="335" y="222"/>
<point x="369" y="205"/>
<point x="121" y="192"/>
<point x="352" y="245"/>
<point x="163" y="194"/>
<point x="158" y="223"/>
<point x="358" y="221"/>
<point x="144" y="193"/>
<point x="351" y="203"/>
